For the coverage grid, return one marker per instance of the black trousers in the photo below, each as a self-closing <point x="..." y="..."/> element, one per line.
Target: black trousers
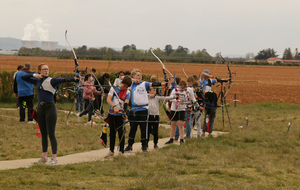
<point x="47" y="116"/>
<point x="139" y="118"/>
<point x="153" y="126"/>
<point x="116" y="125"/>
<point x="26" y="101"/>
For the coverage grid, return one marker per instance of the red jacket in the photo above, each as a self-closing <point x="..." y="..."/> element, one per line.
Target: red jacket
<point x="89" y="91"/>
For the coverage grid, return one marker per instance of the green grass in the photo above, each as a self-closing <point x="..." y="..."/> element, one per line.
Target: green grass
<point x="260" y="156"/>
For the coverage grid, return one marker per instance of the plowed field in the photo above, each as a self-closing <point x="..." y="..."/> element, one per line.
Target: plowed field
<point x="277" y="83"/>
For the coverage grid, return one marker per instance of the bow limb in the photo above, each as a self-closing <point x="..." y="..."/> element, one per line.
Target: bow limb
<point x="77" y="74"/>
<point x="184" y="72"/>
<point x="164" y="68"/>
<point x="101" y="88"/>
<point x="230" y="75"/>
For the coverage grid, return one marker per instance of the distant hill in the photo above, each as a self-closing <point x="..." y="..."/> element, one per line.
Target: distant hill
<point x="10" y="43"/>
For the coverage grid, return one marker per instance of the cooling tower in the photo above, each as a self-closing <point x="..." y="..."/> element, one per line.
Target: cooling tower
<point x="30" y="44"/>
<point x="45" y="45"/>
<point x="49" y="46"/>
<point x="53" y="46"/>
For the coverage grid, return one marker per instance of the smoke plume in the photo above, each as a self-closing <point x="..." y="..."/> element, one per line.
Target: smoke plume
<point x="37" y="26"/>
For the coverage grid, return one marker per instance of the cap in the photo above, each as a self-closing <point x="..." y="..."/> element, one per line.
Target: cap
<point x="206" y="72"/>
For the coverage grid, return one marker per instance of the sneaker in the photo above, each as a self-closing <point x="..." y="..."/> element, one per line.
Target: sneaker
<point x="42" y="160"/>
<point x="103" y="115"/>
<point x="144" y="149"/>
<point x="90" y="122"/>
<point x="203" y="135"/>
<point x="169" y="142"/>
<point x="155" y="146"/>
<point x="186" y="137"/>
<point x="109" y="154"/>
<point x="181" y="141"/>
<point x="209" y="135"/>
<point x="22" y="122"/>
<point x="31" y="122"/>
<point x="128" y="148"/>
<point x="52" y="162"/>
<point x="176" y="140"/>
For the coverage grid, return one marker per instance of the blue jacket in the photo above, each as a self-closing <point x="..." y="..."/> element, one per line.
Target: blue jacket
<point x="23" y="88"/>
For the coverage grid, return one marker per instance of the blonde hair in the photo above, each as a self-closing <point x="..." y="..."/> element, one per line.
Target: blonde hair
<point x="134" y="71"/>
<point x="190" y="79"/>
<point x="153" y="78"/>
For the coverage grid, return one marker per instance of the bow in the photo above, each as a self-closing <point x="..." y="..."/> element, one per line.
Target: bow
<point x="230" y="75"/>
<point x="166" y="80"/>
<point x="77" y="75"/>
<point x="101" y="88"/>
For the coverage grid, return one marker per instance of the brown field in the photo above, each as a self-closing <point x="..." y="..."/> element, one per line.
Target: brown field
<point x="277" y="83"/>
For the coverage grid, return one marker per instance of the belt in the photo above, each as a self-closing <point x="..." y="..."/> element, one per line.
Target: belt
<point x="43" y="103"/>
<point x="112" y="111"/>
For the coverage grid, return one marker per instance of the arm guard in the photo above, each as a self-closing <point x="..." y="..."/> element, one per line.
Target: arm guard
<point x="155" y="84"/>
<point x="68" y="79"/>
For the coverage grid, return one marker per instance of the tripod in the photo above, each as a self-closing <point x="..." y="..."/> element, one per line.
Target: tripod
<point x="223" y="102"/>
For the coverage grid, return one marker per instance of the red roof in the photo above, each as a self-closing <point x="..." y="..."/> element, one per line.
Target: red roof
<point x="272" y="58"/>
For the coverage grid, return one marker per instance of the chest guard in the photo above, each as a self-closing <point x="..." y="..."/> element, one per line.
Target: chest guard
<point x="46" y="85"/>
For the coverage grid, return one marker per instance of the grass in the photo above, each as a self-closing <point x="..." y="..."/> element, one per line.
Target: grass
<point x="260" y="156"/>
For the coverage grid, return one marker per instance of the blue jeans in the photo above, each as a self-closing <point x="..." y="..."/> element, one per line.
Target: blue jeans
<point x="79" y="99"/>
<point x="89" y="108"/>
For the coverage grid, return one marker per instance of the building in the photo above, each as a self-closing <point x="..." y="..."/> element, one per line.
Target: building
<point x="273" y="60"/>
<point x="30" y="44"/>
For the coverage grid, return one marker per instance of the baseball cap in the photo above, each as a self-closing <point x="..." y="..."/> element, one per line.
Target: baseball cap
<point x="206" y="72"/>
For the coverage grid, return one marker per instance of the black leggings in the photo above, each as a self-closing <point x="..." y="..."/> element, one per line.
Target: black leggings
<point x="153" y="126"/>
<point x="115" y="124"/>
<point x="47" y="117"/>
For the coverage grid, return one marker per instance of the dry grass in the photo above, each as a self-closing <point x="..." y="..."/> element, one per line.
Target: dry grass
<point x="260" y="156"/>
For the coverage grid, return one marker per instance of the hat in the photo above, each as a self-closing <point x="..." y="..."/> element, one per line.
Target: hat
<point x="206" y="72"/>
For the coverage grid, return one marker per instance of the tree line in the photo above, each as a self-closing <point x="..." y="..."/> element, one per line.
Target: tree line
<point x="131" y="53"/>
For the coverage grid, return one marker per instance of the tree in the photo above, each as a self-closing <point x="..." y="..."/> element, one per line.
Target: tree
<point x="133" y="47"/>
<point x="127" y="47"/>
<point x="168" y="49"/>
<point x="181" y="49"/>
<point x="249" y="55"/>
<point x="287" y="55"/>
<point x="266" y="54"/>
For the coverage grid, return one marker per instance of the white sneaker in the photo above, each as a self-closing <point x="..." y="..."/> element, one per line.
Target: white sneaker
<point x="42" y="160"/>
<point x="89" y="123"/>
<point x="31" y="122"/>
<point x="109" y="154"/>
<point x="52" y="162"/>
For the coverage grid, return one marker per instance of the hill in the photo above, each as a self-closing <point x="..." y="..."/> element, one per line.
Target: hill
<point x="10" y="43"/>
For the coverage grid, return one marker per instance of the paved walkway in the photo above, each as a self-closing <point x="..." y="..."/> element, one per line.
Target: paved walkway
<point x="87" y="156"/>
<point x="94" y="155"/>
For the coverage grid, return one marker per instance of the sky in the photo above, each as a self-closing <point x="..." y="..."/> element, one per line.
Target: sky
<point x="232" y="27"/>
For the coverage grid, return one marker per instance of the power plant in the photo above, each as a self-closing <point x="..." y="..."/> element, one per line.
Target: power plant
<point x="30" y="44"/>
<point x="45" y="45"/>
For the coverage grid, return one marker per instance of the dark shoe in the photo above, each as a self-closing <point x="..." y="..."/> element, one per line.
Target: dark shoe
<point x="155" y="146"/>
<point x="170" y="141"/>
<point x="181" y="141"/>
<point x="128" y="148"/>
<point x="144" y="149"/>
